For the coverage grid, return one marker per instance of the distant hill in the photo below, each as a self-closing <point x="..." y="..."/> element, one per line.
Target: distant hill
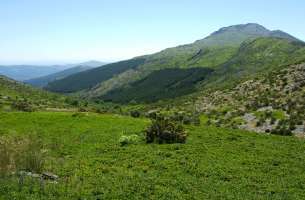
<point x="233" y="53"/>
<point x="26" y="72"/>
<point x="43" y="81"/>
<point x="90" y="78"/>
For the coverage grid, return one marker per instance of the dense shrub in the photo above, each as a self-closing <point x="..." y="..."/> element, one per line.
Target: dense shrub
<point x="82" y="109"/>
<point x="281" y="131"/>
<point x="152" y="114"/>
<point x="135" y="114"/>
<point x="164" y="130"/>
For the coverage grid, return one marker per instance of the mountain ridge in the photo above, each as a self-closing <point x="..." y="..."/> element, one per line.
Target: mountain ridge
<point x="44" y="80"/>
<point x="215" y="52"/>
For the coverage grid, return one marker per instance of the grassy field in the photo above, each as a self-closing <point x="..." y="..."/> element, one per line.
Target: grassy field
<point x="83" y="150"/>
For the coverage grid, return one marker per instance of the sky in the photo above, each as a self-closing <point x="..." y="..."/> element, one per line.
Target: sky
<point x="69" y="31"/>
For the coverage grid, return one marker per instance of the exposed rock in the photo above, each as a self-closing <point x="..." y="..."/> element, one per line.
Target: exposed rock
<point x="49" y="176"/>
<point x="45" y="175"/>
<point x="282" y="91"/>
<point x="299" y="130"/>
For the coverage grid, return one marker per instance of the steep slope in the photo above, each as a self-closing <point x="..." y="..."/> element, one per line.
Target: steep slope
<point x="255" y="57"/>
<point x="274" y="103"/>
<point x="162" y="84"/>
<point x="219" y="51"/>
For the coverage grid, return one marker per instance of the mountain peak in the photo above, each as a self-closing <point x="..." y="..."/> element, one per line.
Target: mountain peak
<point x="251" y="28"/>
<point x="236" y="34"/>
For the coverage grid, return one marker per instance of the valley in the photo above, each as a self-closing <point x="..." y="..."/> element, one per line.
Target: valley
<point x="220" y="118"/>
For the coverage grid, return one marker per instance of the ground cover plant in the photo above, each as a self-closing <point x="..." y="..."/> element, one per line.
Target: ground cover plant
<point x="214" y="163"/>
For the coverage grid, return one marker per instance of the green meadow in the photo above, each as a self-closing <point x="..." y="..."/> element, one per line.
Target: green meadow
<point x="83" y="150"/>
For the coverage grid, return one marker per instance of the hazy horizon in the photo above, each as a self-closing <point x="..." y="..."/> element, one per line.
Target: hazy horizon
<point x="57" y="32"/>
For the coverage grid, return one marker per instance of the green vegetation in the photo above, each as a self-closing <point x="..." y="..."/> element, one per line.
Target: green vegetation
<point x="18" y="96"/>
<point x="256" y="58"/>
<point x="163" y="84"/>
<point x="240" y="77"/>
<point x="214" y="163"/>
<point x="234" y="53"/>
<point x="165" y="130"/>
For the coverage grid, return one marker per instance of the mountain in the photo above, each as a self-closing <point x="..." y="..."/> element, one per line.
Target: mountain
<point x="43" y="81"/>
<point x="232" y="53"/>
<point x="91" y="63"/>
<point x="24" y="72"/>
<point x="27" y="72"/>
<point x="90" y="78"/>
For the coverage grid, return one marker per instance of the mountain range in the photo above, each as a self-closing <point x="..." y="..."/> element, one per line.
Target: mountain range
<point x="242" y="76"/>
<point x="228" y="55"/>
<point x="44" y="80"/>
<point x="27" y="72"/>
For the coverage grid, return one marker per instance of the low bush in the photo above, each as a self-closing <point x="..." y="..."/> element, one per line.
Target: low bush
<point x="281" y="131"/>
<point x="135" y="114"/>
<point x="130" y="139"/>
<point x="22" y="105"/>
<point x="164" y="130"/>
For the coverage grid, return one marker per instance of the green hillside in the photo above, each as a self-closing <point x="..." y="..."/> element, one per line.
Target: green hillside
<point x="13" y="93"/>
<point x="273" y="103"/>
<point x="162" y="84"/>
<point x="211" y="52"/>
<point x="256" y="57"/>
<point x="84" y="152"/>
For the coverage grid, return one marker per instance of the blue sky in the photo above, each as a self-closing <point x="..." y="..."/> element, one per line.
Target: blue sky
<point x="65" y="31"/>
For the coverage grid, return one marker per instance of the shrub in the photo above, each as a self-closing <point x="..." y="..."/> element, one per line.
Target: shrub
<point x="152" y="114"/>
<point x="82" y="109"/>
<point x="78" y="114"/>
<point x="186" y="118"/>
<point x="130" y="139"/>
<point x="135" y="114"/>
<point x="22" y="105"/>
<point x="164" y="130"/>
<point x="281" y="131"/>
